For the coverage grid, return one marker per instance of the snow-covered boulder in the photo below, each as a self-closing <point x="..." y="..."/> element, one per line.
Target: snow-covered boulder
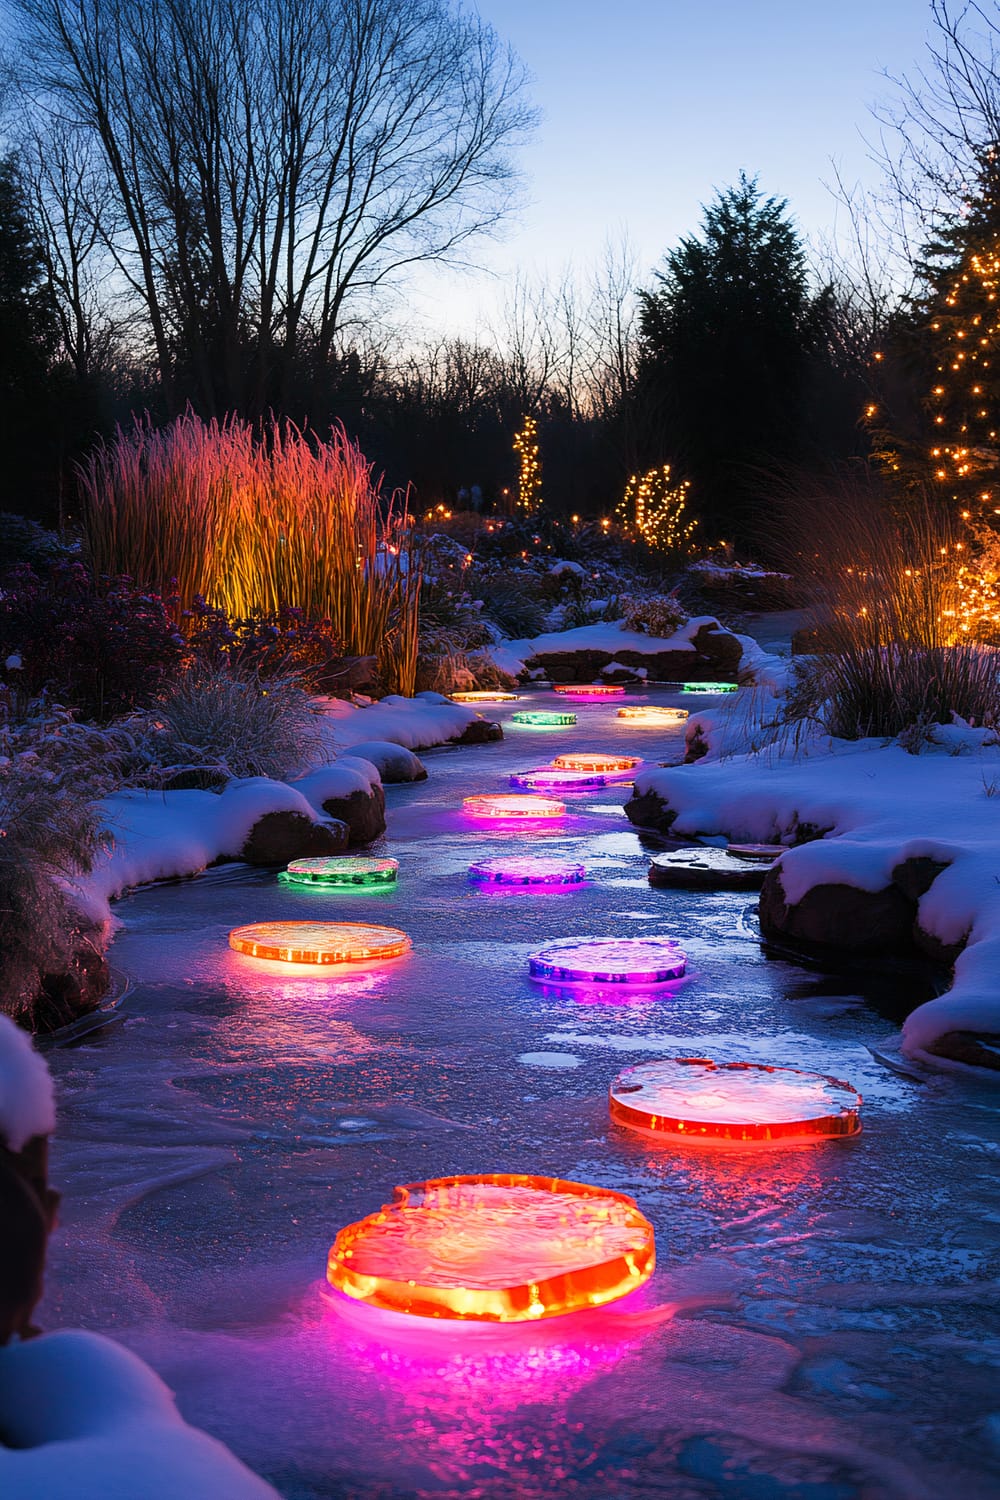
<point x="699" y="648"/>
<point x="350" y="791"/>
<point x="394" y="763"/>
<point x="27" y="1204"/>
<point x="83" y="1417"/>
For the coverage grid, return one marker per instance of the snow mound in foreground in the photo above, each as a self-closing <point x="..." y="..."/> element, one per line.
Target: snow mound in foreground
<point x="86" y="1418"/>
<point x="27" y="1102"/>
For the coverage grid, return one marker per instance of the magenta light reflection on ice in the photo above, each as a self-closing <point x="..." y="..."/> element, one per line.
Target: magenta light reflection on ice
<point x="527" y="869"/>
<point x="638" y="961"/>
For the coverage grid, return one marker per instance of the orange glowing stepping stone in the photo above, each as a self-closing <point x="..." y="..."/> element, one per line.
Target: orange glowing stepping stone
<point x="696" y="1100"/>
<point x="320" y="942"/>
<point x="642" y="713"/>
<point x="501" y="1248"/>
<point x="587" y="760"/>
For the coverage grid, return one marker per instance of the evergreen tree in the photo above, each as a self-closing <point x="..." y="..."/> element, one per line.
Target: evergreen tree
<point x="28" y="339"/>
<point x="729" y="338"/>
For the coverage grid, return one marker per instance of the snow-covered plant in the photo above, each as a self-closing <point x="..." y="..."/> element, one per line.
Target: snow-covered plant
<point x="652" y="614"/>
<point x="235" y="720"/>
<point x="49" y="832"/>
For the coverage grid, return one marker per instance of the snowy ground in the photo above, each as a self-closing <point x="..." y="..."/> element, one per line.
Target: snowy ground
<point x="821" y="1324"/>
<point x="511" y="656"/>
<point x="881" y="806"/>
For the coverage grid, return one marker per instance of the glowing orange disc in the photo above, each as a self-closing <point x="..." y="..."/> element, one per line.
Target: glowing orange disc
<point x="649" y="713"/>
<point x="703" y="1102"/>
<point x="319" y="942"/>
<point x="484" y="697"/>
<point x="508" y="806"/>
<point x="501" y="1248"/>
<point x="591" y="761"/>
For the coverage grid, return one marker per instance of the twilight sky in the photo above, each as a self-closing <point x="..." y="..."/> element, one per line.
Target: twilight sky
<point x="648" y="106"/>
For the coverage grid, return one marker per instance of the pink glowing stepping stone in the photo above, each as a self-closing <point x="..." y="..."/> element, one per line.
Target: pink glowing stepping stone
<point x="510" y="806"/>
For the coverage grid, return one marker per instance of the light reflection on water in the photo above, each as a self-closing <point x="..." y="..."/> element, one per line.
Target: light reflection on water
<point x="837" y="1337"/>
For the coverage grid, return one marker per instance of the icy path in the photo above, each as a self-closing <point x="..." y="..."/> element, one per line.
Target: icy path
<point x="836" y="1333"/>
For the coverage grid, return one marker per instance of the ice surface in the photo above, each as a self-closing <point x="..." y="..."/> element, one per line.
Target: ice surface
<point x="822" y="1322"/>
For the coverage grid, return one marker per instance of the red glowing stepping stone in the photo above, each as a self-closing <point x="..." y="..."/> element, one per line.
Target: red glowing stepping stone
<point x="499" y="1248"/>
<point x="696" y="1100"/>
<point x="319" y="942"/>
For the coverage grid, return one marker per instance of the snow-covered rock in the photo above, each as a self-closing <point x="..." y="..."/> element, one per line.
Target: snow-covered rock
<point x="394" y="763"/>
<point x="27" y="1102"/>
<point x="83" y="1418"/>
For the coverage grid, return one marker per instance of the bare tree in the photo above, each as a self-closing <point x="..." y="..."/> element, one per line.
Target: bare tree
<point x="272" y="161"/>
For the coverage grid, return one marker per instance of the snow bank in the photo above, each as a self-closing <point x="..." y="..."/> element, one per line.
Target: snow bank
<point x="612" y="636"/>
<point x="416" y="723"/>
<point x="882" y="806"/>
<point x="27" y="1102"/>
<point x="86" y="1418"/>
<point x="162" y="835"/>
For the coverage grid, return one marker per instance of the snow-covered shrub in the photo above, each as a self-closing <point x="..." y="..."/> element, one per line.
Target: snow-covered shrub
<point x="272" y="644"/>
<point x="652" y="614"/>
<point x="50" y="833"/>
<point x="513" y="601"/>
<point x="233" y="719"/>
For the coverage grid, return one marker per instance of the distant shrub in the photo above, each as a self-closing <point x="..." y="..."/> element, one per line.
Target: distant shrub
<point x="100" y="651"/>
<point x="51" y="832"/>
<point x="24" y="541"/>
<point x="513" y="601"/>
<point x="652" y="614"/>
<point x="232" y="719"/>
<point x="270" y="645"/>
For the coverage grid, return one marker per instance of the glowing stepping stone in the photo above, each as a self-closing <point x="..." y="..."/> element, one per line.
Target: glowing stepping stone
<point x="502" y="1248"/>
<point x="548" y="779"/>
<point x="542" y="718"/>
<point x="703" y="687"/>
<point x="696" y="1100"/>
<point x="509" y="806"/>
<point x="320" y="942"/>
<point x="485" y="697"/>
<point x="593" y="690"/>
<point x="650" y="714"/>
<point x="640" y="961"/>
<point x="339" y="872"/>
<point x="527" y="869"/>
<point x="764" y="853"/>
<point x="591" y="761"/>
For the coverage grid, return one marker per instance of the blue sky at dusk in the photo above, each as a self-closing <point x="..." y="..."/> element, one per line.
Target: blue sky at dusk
<point x="648" y="106"/>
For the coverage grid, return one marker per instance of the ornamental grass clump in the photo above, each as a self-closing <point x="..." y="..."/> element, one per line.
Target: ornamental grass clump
<point x="231" y="720"/>
<point x="49" y="834"/>
<point x="255" y="521"/>
<point x="883" y="587"/>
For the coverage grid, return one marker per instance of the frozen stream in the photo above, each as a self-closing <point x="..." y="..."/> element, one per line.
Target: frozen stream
<point x="822" y="1323"/>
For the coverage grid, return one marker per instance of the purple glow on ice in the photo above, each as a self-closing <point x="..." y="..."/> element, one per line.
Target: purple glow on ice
<point x="527" y="869"/>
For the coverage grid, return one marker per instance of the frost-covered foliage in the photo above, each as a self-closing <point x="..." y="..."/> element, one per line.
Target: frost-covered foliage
<point x="652" y="614"/>
<point x="49" y="832"/>
<point x="269" y="644"/>
<point x="233" y="719"/>
<point x="100" y="651"/>
<point x="24" y="541"/>
<point x="892" y="690"/>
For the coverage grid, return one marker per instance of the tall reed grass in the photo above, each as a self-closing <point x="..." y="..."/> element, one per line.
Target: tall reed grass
<point x="883" y="589"/>
<point x="256" y="519"/>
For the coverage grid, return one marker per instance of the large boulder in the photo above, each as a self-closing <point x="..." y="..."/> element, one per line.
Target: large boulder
<point x="835" y="921"/>
<point x="362" y="811"/>
<point x="648" y="810"/>
<point x="394" y="763"/>
<point x="968" y="1047"/>
<point x="278" y="837"/>
<point x="478" y="732"/>
<point x="716" y="658"/>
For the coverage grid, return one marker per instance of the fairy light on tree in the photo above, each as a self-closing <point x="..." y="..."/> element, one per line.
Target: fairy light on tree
<point x="529" y="484"/>
<point x="653" y="510"/>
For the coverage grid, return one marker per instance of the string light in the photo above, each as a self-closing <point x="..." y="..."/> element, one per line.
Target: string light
<point x="652" y="510"/>
<point x="529" y="484"/>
